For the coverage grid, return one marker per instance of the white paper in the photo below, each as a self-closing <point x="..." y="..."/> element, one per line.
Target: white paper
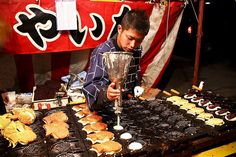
<point x="66" y="14"/>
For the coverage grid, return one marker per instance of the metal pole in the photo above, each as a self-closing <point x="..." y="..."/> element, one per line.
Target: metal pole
<point x="198" y="44"/>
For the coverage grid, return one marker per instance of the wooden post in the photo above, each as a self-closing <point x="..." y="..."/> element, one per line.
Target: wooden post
<point x="198" y="44"/>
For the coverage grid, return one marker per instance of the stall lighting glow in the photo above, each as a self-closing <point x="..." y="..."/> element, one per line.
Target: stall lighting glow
<point x="189" y="29"/>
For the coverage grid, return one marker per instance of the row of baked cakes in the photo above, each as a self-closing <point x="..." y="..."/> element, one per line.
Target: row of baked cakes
<point x="103" y="141"/>
<point x="203" y="108"/>
<point x="14" y="126"/>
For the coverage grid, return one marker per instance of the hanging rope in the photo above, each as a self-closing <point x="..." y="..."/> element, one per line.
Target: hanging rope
<point x="167" y="20"/>
<point x="194" y="11"/>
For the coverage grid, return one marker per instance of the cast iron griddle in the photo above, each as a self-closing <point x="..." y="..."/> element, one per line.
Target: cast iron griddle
<point x="162" y="128"/>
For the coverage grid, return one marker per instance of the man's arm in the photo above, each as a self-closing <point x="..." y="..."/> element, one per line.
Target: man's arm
<point x="96" y="80"/>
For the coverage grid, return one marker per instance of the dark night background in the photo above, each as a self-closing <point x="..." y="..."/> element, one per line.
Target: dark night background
<point x="218" y="29"/>
<point x="217" y="65"/>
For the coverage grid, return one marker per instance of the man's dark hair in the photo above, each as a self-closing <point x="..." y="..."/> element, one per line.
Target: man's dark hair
<point x="136" y="19"/>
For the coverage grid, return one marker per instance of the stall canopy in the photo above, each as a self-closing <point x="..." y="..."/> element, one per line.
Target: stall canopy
<point x="36" y="51"/>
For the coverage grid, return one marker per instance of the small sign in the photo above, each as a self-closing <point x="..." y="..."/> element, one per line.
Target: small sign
<point x="66" y="14"/>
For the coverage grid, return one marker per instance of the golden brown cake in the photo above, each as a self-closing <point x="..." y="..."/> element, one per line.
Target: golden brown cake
<point x="16" y="132"/>
<point x="109" y="147"/>
<point x="57" y="129"/>
<point x="187" y="106"/>
<point x="90" y="119"/>
<point x="101" y="136"/>
<point x="173" y="98"/>
<point x="98" y="126"/>
<point x="25" y="115"/>
<point x="195" y="111"/>
<point x="205" y="116"/>
<point x="180" y="102"/>
<point x="80" y="107"/>
<point x="215" y="122"/>
<point x="57" y="116"/>
<point x="84" y="112"/>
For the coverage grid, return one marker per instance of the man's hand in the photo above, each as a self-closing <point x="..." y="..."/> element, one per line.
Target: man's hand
<point x="112" y="93"/>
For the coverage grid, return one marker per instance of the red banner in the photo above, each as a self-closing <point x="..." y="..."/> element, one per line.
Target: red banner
<point x="34" y="28"/>
<point x="34" y="33"/>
